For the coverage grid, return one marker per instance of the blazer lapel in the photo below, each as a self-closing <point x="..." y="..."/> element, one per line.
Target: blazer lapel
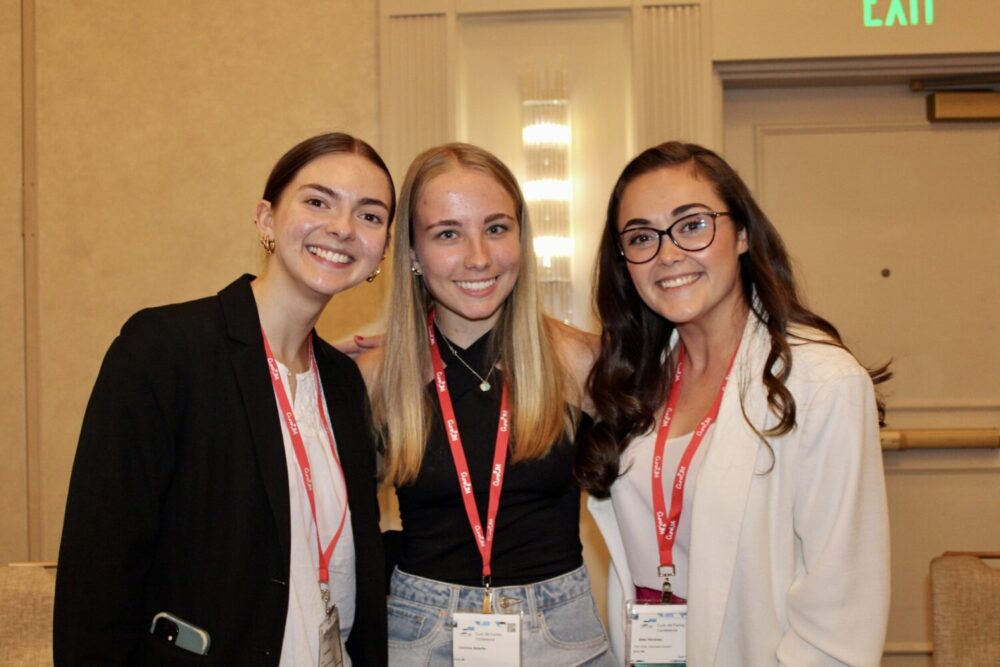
<point x="721" y="496"/>
<point x="250" y="366"/>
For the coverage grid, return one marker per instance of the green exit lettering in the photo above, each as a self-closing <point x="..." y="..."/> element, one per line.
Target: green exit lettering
<point x="897" y="13"/>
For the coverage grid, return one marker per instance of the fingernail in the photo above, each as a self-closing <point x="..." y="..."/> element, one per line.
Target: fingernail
<point x="359" y="338"/>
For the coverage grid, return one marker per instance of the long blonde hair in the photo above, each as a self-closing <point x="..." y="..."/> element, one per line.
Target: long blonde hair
<point x="536" y="377"/>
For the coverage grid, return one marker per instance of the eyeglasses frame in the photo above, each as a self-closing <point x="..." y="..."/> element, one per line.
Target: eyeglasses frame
<point x="668" y="232"/>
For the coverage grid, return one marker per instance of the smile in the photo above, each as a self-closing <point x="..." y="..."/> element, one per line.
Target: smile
<point x="476" y="285"/>
<point x="330" y="256"/>
<point x="679" y="281"/>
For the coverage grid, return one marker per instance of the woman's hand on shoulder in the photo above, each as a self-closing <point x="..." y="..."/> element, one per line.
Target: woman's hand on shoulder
<point x="369" y="362"/>
<point x="578" y="351"/>
<point x="355" y="346"/>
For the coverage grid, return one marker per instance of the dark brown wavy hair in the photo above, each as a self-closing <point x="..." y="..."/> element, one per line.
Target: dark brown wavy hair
<point x="630" y="379"/>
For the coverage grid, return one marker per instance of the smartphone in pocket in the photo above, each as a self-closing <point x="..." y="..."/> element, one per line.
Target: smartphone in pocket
<point x="180" y="633"/>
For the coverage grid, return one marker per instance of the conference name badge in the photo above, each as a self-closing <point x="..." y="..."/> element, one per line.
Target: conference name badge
<point x="331" y="650"/>
<point x="487" y="640"/>
<point x="656" y="634"/>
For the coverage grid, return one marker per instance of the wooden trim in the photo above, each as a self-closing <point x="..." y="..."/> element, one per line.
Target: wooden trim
<point x="944" y="404"/>
<point x="978" y="554"/>
<point x="32" y="324"/>
<point x="940" y="438"/>
<point x="908" y="648"/>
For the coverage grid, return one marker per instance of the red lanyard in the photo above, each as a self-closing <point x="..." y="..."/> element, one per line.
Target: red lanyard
<point x="484" y="540"/>
<point x="298" y="446"/>
<point x="666" y="524"/>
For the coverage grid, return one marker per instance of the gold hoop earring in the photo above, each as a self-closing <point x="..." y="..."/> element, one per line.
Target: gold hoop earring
<point x="268" y="244"/>
<point x="416" y="270"/>
<point x="374" y="274"/>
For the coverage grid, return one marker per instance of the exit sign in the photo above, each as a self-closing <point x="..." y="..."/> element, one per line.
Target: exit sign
<point x="892" y="13"/>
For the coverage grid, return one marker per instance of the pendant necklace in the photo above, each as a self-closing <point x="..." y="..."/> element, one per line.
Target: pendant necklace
<point x="484" y="382"/>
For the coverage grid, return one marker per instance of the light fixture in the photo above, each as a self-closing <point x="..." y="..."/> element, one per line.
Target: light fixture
<point x="548" y="189"/>
<point x="547" y="247"/>
<point x="546" y="133"/>
<point x="547" y="137"/>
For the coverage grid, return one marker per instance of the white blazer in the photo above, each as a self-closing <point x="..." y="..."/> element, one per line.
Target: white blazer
<point x="789" y="545"/>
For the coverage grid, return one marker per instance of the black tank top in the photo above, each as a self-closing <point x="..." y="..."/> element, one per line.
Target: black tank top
<point x="537" y="534"/>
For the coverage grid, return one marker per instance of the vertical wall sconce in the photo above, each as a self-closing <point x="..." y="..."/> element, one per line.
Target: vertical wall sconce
<point x="546" y="136"/>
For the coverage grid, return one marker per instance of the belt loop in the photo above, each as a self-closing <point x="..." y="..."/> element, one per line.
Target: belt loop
<point x="534" y="613"/>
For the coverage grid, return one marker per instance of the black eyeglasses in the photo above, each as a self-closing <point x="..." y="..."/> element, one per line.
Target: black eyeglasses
<point x="692" y="232"/>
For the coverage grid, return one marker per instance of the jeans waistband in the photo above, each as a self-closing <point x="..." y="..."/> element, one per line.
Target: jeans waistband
<point x="540" y="595"/>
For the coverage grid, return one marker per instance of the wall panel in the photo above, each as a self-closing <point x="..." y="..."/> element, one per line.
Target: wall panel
<point x="13" y="473"/>
<point x="157" y="127"/>
<point x="895" y="260"/>
<point x="673" y="74"/>
<point x="416" y="89"/>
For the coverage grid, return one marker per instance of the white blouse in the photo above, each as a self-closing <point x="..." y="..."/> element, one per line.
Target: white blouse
<point x="305" y="606"/>
<point x="632" y="498"/>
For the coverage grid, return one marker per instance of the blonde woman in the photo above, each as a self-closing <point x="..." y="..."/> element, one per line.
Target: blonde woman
<point x="477" y="395"/>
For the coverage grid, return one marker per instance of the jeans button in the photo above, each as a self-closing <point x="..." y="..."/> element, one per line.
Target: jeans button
<point x="508" y="602"/>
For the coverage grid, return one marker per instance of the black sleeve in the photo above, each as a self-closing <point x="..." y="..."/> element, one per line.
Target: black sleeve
<point x="392" y="542"/>
<point x="120" y="475"/>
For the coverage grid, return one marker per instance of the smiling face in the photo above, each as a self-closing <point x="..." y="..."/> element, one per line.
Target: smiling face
<point x="466" y="242"/>
<point x="686" y="288"/>
<point x="329" y="225"/>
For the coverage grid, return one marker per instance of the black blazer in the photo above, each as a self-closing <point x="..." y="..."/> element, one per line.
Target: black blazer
<point x="179" y="495"/>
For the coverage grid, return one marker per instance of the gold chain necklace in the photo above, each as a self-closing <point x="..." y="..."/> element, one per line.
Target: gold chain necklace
<point x="484" y="382"/>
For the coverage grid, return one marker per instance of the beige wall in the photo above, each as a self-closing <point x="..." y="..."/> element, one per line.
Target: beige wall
<point x="13" y="472"/>
<point x="156" y="127"/>
<point x="767" y="29"/>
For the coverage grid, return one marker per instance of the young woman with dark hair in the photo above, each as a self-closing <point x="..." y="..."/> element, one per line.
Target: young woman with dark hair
<point x="735" y="462"/>
<point x="222" y="504"/>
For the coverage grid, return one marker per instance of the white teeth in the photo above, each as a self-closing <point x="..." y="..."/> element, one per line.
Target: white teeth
<point x="475" y="286"/>
<point x="679" y="281"/>
<point x="330" y="256"/>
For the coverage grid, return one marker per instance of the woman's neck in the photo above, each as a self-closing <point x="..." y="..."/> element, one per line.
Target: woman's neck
<point x="461" y="331"/>
<point x="287" y="319"/>
<point x="710" y="345"/>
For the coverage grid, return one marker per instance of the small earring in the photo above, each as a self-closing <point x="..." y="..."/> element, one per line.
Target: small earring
<point x="267" y="243"/>
<point x="416" y="270"/>
<point x="374" y="274"/>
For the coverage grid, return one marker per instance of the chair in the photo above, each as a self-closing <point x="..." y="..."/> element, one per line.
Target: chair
<point x="26" y="594"/>
<point x="965" y="594"/>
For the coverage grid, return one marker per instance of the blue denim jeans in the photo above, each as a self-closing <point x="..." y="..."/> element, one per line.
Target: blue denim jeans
<point x="559" y="625"/>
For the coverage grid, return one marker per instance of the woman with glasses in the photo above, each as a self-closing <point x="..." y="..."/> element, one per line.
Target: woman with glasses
<point x="476" y="394"/>
<point x="736" y="452"/>
<point x="222" y="506"/>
